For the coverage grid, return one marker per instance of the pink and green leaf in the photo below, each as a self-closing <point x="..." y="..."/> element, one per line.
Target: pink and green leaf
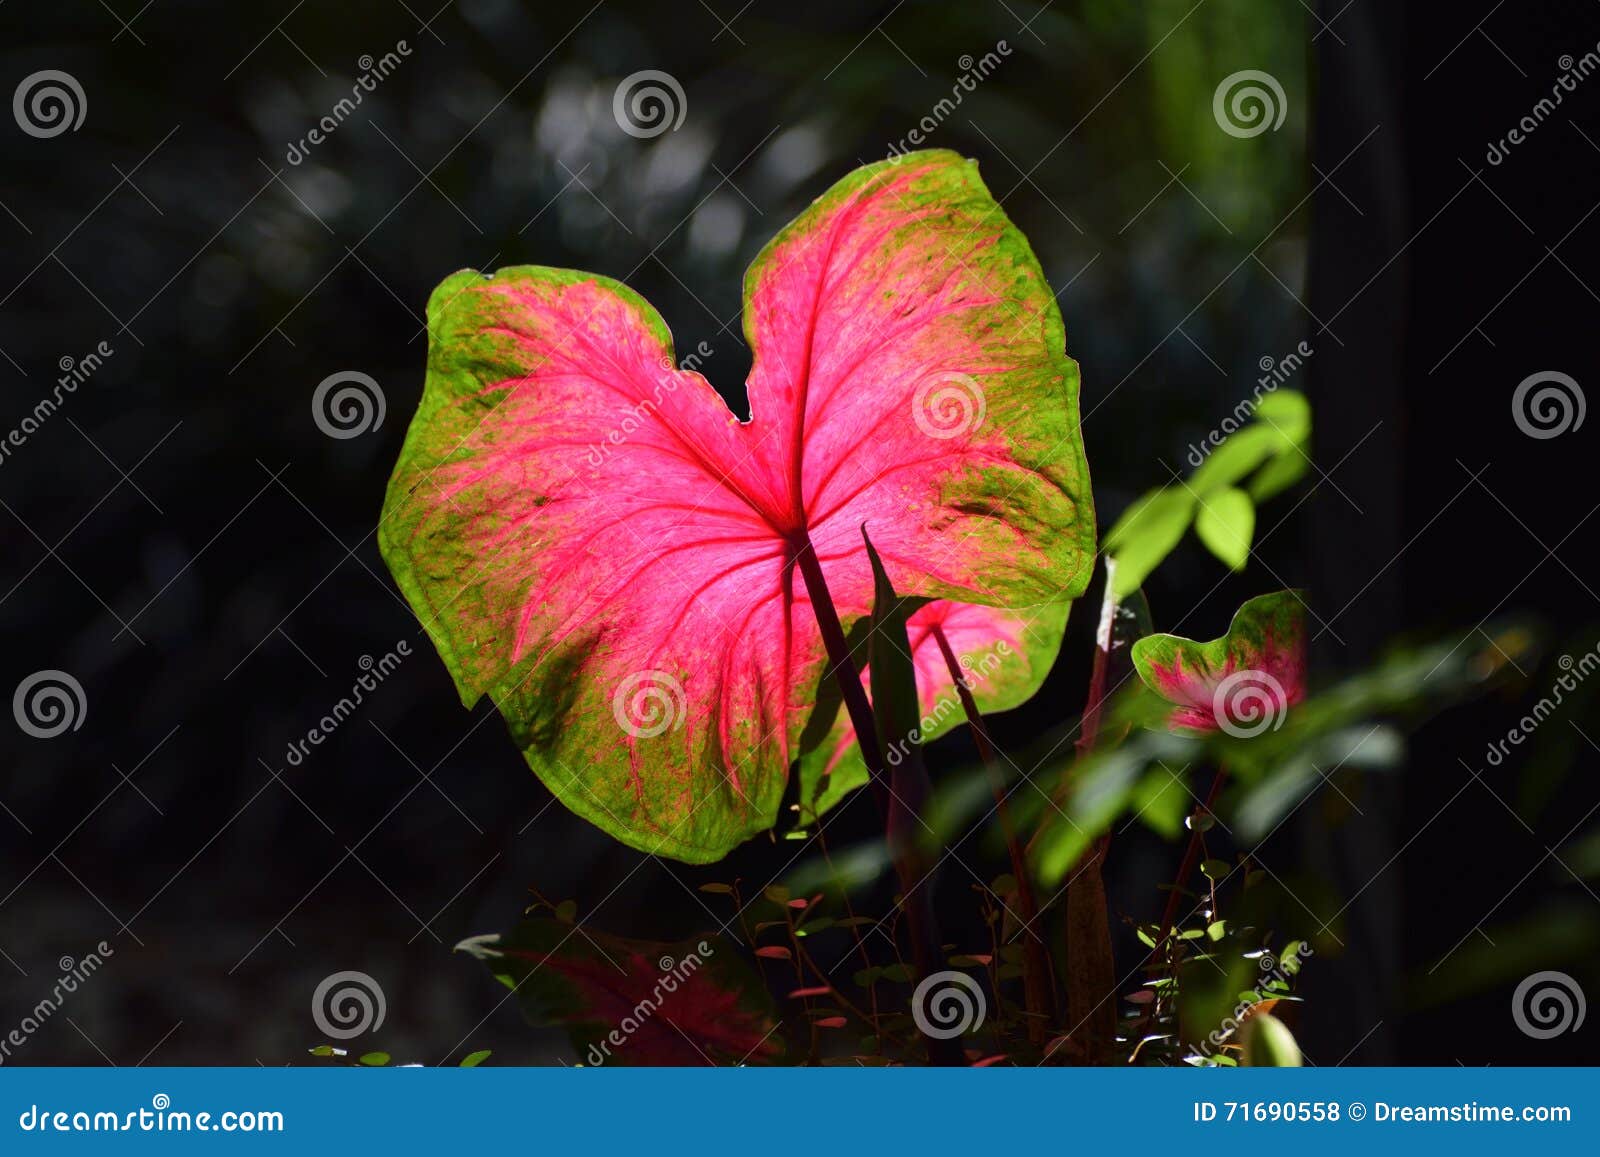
<point x="1004" y="655"/>
<point x="593" y="541"/>
<point x="1241" y="683"/>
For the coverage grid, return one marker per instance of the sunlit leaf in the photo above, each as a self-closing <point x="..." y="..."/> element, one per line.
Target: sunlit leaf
<point x="594" y="542"/>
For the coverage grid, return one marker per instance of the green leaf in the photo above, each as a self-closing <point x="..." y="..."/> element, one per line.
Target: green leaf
<point x="1232" y="461"/>
<point x="473" y="1060"/>
<point x="1287" y="414"/>
<point x="376" y="1060"/>
<point x="1226" y="523"/>
<point x="1266" y="1042"/>
<point x="1146" y="533"/>
<point x="1161" y="800"/>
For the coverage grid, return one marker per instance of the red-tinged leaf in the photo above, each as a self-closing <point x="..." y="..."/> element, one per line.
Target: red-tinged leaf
<point x="987" y="1062"/>
<point x="830" y="1022"/>
<point x="593" y="541"/>
<point x="819" y="990"/>
<point x="1004" y="656"/>
<point x="634" y="1002"/>
<point x="799" y="903"/>
<point x="774" y="952"/>
<point x="1243" y="683"/>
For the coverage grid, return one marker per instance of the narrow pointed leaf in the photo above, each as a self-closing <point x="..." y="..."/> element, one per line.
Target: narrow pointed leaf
<point x="1004" y="655"/>
<point x="594" y="542"/>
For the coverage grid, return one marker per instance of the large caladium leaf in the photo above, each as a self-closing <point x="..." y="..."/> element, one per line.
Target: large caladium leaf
<point x="1243" y="683"/>
<point x="635" y="1002"/>
<point x="1004" y="656"/>
<point x="593" y="541"/>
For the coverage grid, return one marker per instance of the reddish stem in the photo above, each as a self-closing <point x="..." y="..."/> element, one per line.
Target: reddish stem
<point x="1186" y="867"/>
<point x="900" y="805"/>
<point x="1036" y="987"/>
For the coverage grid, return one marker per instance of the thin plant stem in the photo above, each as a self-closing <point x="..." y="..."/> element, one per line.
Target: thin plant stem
<point x="899" y="807"/>
<point x="1038" y="993"/>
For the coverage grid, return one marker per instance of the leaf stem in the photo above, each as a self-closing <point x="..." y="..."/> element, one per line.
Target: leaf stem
<point x="900" y="804"/>
<point x="845" y="671"/>
<point x="1037" y="989"/>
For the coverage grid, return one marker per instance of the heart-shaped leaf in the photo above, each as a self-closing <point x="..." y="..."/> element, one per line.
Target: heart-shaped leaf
<point x="634" y="1002"/>
<point x="1243" y="683"/>
<point x="1004" y="656"/>
<point x="593" y="541"/>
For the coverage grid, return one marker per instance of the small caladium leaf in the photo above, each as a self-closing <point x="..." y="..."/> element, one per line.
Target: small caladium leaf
<point x="1004" y="656"/>
<point x="635" y="1002"/>
<point x="593" y="541"/>
<point x="1243" y="683"/>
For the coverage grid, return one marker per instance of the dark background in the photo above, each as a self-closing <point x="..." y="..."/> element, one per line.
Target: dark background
<point x="184" y="541"/>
